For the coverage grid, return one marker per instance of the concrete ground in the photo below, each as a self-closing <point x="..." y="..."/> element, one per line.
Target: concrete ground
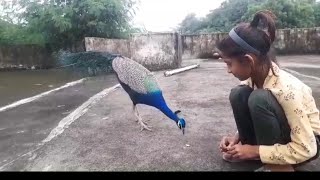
<point x="107" y="138"/>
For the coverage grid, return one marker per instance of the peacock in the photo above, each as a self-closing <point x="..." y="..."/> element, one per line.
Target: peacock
<point x="137" y="81"/>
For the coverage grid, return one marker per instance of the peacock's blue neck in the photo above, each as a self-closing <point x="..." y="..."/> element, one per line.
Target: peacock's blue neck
<point x="156" y="100"/>
<point x="167" y="111"/>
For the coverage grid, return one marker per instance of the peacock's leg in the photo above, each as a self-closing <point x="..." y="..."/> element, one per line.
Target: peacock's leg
<point x="134" y="112"/>
<point x="143" y="124"/>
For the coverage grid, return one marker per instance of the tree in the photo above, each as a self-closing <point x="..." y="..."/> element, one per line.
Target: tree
<point x="16" y="34"/>
<point x="190" y="24"/>
<point x="64" y="22"/>
<point x="228" y="15"/>
<point x="290" y="14"/>
<point x="317" y="14"/>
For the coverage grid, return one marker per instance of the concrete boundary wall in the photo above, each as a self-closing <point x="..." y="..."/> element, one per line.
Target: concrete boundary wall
<point x="288" y="42"/>
<point x="156" y="51"/>
<point x="25" y="57"/>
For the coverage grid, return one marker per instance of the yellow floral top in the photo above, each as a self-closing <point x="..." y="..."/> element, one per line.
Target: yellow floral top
<point x="303" y="117"/>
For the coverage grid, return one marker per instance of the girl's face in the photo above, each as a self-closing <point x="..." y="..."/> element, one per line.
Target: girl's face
<point x="240" y="68"/>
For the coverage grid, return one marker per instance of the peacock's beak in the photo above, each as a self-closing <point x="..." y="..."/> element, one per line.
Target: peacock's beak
<point x="183" y="131"/>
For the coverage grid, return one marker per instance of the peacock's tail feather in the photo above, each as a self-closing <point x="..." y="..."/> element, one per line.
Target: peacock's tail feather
<point x="89" y="62"/>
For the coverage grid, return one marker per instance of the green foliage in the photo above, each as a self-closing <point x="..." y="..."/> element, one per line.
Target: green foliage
<point x="63" y="22"/>
<point x="290" y="14"/>
<point x="17" y="34"/>
<point x="190" y="24"/>
<point x="317" y="14"/>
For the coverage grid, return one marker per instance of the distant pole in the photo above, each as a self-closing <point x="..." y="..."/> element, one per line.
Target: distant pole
<point x="176" y="71"/>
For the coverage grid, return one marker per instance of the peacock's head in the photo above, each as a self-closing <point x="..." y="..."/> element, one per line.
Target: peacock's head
<point x="181" y="123"/>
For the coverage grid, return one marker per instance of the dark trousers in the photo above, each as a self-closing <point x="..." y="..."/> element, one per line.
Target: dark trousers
<point x="259" y="117"/>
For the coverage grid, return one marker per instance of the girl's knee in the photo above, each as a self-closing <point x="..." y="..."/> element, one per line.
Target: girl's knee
<point x="240" y="93"/>
<point x="258" y="97"/>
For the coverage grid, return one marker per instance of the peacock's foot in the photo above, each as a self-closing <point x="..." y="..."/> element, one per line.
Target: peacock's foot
<point x="144" y="126"/>
<point x="144" y="122"/>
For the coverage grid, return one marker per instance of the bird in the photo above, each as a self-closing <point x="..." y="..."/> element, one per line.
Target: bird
<point x="138" y="82"/>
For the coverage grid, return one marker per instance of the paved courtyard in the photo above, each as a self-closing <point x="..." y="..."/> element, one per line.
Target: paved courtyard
<point x="102" y="135"/>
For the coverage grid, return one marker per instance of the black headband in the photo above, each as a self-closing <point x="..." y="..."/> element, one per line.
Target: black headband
<point x="237" y="39"/>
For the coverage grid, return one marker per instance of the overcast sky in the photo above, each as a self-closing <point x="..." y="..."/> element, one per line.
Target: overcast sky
<point x="163" y="15"/>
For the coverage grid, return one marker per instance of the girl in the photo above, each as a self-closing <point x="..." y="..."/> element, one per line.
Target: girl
<point x="275" y="113"/>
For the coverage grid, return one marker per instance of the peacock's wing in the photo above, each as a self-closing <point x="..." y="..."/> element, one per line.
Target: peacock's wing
<point x="136" y="76"/>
